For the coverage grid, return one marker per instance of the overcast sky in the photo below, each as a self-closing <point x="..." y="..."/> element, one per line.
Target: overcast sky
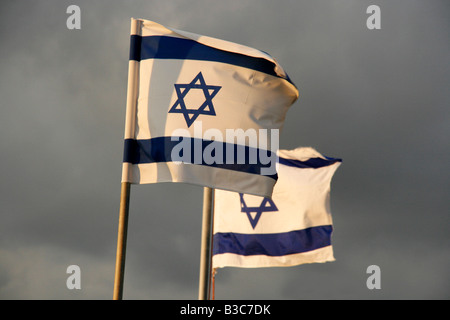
<point x="378" y="99"/>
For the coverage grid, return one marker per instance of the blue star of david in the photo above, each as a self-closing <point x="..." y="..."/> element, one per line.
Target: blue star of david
<point x="267" y="205"/>
<point x="206" y="108"/>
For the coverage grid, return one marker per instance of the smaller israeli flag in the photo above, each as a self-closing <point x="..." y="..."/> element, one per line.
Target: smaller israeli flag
<point x="292" y="228"/>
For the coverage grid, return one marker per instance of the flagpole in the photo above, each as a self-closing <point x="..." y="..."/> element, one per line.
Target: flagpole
<point x="130" y="116"/>
<point x="205" y="250"/>
<point x="121" y="240"/>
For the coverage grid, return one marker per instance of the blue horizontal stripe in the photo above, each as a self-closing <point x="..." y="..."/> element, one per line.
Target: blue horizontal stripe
<point x="162" y="47"/>
<point x="273" y="244"/>
<point x="313" y="163"/>
<point x="160" y="150"/>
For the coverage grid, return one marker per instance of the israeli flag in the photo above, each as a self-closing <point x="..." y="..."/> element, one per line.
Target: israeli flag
<point x="208" y="112"/>
<point x="292" y="228"/>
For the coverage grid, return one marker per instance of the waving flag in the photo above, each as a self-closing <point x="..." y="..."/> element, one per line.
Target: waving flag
<point x="207" y="112"/>
<point x="292" y="228"/>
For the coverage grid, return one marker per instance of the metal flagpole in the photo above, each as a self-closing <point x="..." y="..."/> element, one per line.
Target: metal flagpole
<point x="121" y="240"/>
<point x="133" y="73"/>
<point x="205" y="251"/>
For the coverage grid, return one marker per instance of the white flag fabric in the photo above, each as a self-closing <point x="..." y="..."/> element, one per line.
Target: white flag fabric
<point x="292" y="228"/>
<point x="202" y="107"/>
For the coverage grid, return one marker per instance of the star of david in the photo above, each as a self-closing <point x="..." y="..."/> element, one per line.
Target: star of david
<point x="205" y="108"/>
<point x="267" y="205"/>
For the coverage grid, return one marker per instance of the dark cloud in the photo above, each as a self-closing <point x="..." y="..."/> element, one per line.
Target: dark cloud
<point x="376" y="98"/>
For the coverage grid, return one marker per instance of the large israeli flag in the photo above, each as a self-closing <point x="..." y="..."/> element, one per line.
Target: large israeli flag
<point x="292" y="228"/>
<point x="208" y="112"/>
